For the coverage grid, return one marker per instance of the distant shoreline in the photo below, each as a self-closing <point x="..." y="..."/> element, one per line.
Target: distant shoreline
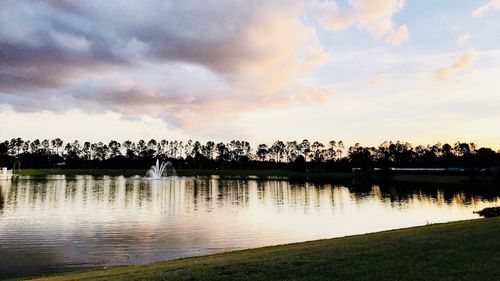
<point x="337" y="177"/>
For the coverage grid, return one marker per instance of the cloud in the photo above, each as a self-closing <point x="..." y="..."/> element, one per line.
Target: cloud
<point x="71" y="42"/>
<point x="463" y="38"/>
<point x="378" y="80"/>
<point x="466" y="60"/>
<point x="313" y="57"/>
<point x="331" y="16"/>
<point x="397" y="36"/>
<point x="375" y="16"/>
<point x="186" y="63"/>
<point x="491" y="5"/>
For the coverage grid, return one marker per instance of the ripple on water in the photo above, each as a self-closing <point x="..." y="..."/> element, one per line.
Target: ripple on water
<point x="58" y="223"/>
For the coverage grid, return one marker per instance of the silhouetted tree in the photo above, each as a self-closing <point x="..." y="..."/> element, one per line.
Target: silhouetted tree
<point x="35" y="146"/>
<point x="305" y="148"/>
<point x="57" y="144"/>
<point x="208" y="150"/>
<point x="317" y="151"/>
<point x="4" y="151"/>
<point x="360" y="156"/>
<point x="114" y="149"/>
<point x="278" y="149"/>
<point x="291" y="150"/>
<point x="238" y="154"/>
<point x="222" y="152"/>
<point x="262" y="152"/>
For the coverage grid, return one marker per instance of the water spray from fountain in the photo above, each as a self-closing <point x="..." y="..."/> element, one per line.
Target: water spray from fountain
<point x="159" y="170"/>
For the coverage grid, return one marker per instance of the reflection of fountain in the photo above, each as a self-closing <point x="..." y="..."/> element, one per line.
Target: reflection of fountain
<point x="158" y="170"/>
<point x="4" y="190"/>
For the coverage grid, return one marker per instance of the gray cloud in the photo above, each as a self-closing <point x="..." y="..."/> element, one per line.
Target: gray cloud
<point x="167" y="59"/>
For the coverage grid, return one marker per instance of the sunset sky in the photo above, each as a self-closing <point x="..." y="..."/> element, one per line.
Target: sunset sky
<point x="363" y="71"/>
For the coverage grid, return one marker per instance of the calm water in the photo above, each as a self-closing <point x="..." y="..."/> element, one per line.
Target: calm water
<point x="60" y="224"/>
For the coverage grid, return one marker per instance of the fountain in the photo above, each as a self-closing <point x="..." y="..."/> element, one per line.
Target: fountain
<point x="5" y="174"/>
<point x="156" y="172"/>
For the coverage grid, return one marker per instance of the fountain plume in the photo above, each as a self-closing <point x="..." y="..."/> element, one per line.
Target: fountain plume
<point x="157" y="170"/>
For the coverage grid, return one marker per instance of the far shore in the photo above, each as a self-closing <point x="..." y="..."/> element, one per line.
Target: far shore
<point x="464" y="250"/>
<point x="336" y="177"/>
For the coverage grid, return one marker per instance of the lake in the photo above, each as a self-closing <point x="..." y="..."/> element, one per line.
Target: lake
<point x="63" y="223"/>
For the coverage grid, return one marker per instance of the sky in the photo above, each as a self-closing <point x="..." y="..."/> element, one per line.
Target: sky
<point x="422" y="71"/>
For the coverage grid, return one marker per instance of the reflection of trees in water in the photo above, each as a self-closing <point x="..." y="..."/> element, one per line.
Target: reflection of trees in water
<point x="309" y="195"/>
<point x="183" y="195"/>
<point x="261" y="189"/>
<point x="399" y="196"/>
<point x="293" y="194"/>
<point x="234" y="192"/>
<point x="119" y="193"/>
<point x="279" y="192"/>
<point x="199" y="192"/>
<point x="80" y="193"/>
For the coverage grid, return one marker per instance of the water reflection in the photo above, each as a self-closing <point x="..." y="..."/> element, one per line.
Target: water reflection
<point x="59" y="224"/>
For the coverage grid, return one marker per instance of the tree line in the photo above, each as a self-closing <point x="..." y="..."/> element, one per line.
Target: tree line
<point x="299" y="155"/>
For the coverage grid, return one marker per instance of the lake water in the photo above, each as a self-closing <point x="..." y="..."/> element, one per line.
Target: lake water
<point x="60" y="224"/>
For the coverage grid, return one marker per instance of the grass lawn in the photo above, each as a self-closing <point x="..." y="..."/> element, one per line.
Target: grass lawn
<point x="289" y="174"/>
<point x="467" y="250"/>
<point x="72" y="172"/>
<point x="235" y="173"/>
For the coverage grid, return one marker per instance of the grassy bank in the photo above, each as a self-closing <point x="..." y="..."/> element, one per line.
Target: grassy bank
<point x="317" y="176"/>
<point x="467" y="250"/>
<point x="74" y="172"/>
<point x="229" y="173"/>
<point x="440" y="179"/>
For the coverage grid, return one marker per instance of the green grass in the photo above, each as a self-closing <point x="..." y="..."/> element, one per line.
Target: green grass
<point x="444" y="179"/>
<point x="467" y="250"/>
<point x="72" y="172"/>
<point x="317" y="176"/>
<point x="229" y="173"/>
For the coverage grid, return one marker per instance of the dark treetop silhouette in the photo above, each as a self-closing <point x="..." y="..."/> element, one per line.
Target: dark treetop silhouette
<point x="304" y="155"/>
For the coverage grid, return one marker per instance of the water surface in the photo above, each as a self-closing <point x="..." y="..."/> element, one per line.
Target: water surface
<point x="60" y="224"/>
